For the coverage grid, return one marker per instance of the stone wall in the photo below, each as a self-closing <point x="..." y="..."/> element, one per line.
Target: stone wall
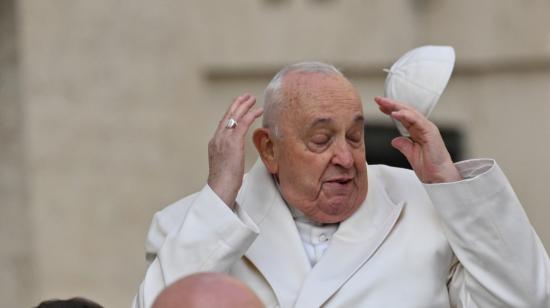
<point x="15" y="254"/>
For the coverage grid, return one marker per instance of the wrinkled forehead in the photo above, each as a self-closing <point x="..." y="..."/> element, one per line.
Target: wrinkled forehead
<point x="307" y="94"/>
<point x="311" y="84"/>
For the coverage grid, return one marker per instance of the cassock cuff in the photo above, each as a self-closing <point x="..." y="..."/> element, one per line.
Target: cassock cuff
<point x="230" y="225"/>
<point x="482" y="179"/>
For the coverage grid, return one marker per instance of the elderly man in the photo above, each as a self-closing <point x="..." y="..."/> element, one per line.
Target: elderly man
<point x="312" y="225"/>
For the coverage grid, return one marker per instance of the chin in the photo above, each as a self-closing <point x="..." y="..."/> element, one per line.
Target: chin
<point x="331" y="219"/>
<point x="333" y="216"/>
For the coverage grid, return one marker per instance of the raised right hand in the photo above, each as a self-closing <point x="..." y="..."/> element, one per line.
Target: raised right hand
<point x="226" y="149"/>
<point x="425" y="149"/>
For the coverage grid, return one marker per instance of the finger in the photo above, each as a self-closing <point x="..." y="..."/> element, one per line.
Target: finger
<point x="404" y="117"/>
<point x="388" y="106"/>
<point x="239" y="112"/>
<point x="404" y="145"/>
<point x="417" y="126"/>
<point x="236" y="103"/>
<point x="247" y="120"/>
<point x="243" y="108"/>
<point x="385" y="105"/>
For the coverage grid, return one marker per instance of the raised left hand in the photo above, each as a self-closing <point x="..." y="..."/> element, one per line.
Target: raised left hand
<point x="226" y="149"/>
<point x="425" y="149"/>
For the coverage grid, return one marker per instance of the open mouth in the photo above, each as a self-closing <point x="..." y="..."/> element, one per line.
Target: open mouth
<point x="339" y="182"/>
<point x="343" y="181"/>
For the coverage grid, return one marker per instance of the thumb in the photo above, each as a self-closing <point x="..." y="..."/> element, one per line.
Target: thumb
<point x="403" y="145"/>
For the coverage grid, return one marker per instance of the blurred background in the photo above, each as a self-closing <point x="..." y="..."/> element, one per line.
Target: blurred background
<point x="106" y="109"/>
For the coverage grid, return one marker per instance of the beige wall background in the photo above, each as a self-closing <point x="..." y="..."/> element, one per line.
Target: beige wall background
<point x="106" y="109"/>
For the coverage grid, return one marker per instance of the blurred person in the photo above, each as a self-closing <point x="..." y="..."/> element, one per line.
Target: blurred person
<point x="311" y="224"/>
<point x="204" y="290"/>
<point x="75" y="302"/>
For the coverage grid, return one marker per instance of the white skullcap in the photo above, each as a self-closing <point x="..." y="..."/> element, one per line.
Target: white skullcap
<point x="419" y="77"/>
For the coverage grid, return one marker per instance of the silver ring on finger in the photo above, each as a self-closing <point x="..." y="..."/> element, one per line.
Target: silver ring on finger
<point x="231" y="123"/>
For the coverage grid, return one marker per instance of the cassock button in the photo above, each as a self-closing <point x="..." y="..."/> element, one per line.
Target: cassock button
<point x="323" y="238"/>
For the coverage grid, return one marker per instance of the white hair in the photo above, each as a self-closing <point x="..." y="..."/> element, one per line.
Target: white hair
<point x="273" y="94"/>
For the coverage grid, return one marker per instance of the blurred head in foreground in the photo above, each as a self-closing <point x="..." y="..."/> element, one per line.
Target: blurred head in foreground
<point x="75" y="302"/>
<point x="207" y="290"/>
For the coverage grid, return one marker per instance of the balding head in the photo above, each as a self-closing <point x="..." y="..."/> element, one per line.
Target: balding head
<point x="275" y="96"/>
<point x="207" y="290"/>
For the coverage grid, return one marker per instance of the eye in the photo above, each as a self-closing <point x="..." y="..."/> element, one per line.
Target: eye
<point x="355" y="138"/>
<point x="320" y="139"/>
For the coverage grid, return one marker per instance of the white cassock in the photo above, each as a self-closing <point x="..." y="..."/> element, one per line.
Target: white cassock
<point x="461" y="244"/>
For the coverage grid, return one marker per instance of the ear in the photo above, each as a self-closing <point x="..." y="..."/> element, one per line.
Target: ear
<point x="266" y="148"/>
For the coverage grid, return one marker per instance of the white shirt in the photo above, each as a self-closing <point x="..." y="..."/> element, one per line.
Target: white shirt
<point x="315" y="236"/>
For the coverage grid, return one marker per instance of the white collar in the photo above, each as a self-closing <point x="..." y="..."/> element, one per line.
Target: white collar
<point x="315" y="236"/>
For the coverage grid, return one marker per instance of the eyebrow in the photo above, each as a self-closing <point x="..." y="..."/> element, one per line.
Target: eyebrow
<point x="320" y="121"/>
<point x="359" y="118"/>
<point x="326" y="120"/>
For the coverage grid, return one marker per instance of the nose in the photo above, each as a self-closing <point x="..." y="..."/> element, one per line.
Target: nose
<point x="342" y="155"/>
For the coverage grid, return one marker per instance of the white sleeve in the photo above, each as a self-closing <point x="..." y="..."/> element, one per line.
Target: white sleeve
<point x="209" y="237"/>
<point x="502" y="262"/>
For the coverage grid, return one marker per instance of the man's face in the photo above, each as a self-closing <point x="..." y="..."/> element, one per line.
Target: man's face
<point x="320" y="157"/>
